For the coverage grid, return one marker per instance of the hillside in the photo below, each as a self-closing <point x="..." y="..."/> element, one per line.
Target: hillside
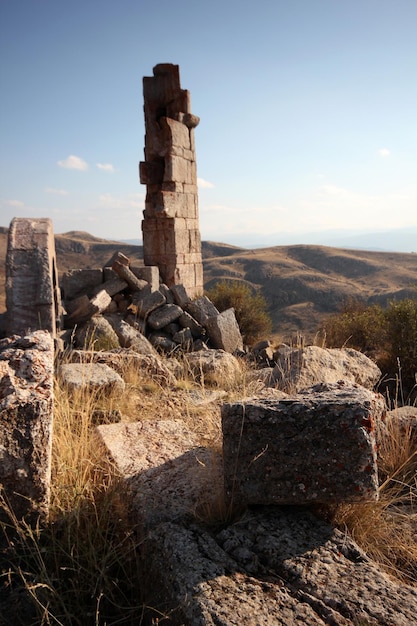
<point x="302" y="284"/>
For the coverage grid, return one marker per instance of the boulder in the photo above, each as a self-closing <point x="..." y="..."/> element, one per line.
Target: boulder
<point x="223" y="331"/>
<point x="96" y="334"/>
<point x="93" y="376"/>
<point x="201" y="309"/>
<point x="26" y="420"/>
<point x="214" y="364"/>
<point x="122" y="359"/>
<point x="164" y="315"/>
<point x="147" y="301"/>
<point x="317" y="446"/>
<point x="299" y="368"/>
<point x="129" y="337"/>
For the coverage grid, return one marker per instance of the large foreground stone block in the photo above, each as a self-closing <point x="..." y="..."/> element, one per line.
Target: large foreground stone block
<point x="32" y="293"/>
<point x="26" y="415"/>
<point x="318" y="446"/>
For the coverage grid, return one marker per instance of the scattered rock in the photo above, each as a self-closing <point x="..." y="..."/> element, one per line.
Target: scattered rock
<point x="297" y="369"/>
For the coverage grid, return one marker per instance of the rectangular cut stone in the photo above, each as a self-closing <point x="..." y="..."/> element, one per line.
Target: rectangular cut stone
<point x="318" y="446"/>
<point x="169" y="145"/>
<point x="178" y="134"/>
<point x="78" y="282"/>
<point x="26" y="407"/>
<point x="33" y="298"/>
<point x="223" y="331"/>
<point x="149" y="273"/>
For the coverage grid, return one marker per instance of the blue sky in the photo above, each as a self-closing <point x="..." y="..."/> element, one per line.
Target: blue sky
<point x="308" y="112"/>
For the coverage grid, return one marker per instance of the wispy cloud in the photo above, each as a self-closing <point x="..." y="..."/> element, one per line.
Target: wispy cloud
<point x="384" y="152"/>
<point x="129" y="201"/>
<point x="73" y="162"/>
<point x="204" y="184"/>
<point x="17" y="204"/>
<point x="57" y="192"/>
<point x="106" y="167"/>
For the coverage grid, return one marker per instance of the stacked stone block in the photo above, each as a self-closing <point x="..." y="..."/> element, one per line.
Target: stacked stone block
<point x="32" y="292"/>
<point x="171" y="235"/>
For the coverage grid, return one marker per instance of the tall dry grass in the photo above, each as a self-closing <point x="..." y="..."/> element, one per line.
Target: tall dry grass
<point x="387" y="529"/>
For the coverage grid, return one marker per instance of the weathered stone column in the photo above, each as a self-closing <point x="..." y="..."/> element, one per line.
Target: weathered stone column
<point x="32" y="293"/>
<point x="171" y="234"/>
<point x="26" y="418"/>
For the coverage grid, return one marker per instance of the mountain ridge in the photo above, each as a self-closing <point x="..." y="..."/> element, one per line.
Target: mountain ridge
<point x="302" y="284"/>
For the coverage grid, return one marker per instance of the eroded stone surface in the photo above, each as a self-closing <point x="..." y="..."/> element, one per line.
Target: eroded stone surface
<point x="26" y="418"/>
<point x="171" y="235"/>
<point x="317" y="446"/>
<point x="297" y="369"/>
<point x="272" y="565"/>
<point x="33" y="298"/>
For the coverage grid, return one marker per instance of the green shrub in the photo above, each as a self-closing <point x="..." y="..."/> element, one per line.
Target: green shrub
<point x="249" y="305"/>
<point x="357" y="326"/>
<point x="389" y="335"/>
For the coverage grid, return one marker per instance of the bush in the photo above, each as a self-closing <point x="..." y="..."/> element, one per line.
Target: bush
<point x="387" y="334"/>
<point x="250" y="308"/>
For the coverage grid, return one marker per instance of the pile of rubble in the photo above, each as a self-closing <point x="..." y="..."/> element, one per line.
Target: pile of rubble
<point x="128" y="307"/>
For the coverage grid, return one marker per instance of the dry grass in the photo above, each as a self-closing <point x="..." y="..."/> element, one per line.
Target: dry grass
<point x="83" y="567"/>
<point x="387" y="530"/>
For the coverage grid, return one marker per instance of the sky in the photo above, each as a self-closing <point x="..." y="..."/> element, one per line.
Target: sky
<point x="308" y="113"/>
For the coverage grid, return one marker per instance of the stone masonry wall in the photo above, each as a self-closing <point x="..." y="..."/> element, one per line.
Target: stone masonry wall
<point x="171" y="235"/>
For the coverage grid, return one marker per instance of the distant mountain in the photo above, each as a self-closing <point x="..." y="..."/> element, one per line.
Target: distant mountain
<point x="302" y="284"/>
<point x="395" y="240"/>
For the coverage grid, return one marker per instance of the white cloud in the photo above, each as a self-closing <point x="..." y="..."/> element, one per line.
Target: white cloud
<point x="106" y="167"/>
<point x="204" y="184"/>
<point x="73" y="163"/>
<point x="131" y="200"/>
<point x="384" y="152"/>
<point x="57" y="192"/>
<point x="332" y="190"/>
<point x="18" y="204"/>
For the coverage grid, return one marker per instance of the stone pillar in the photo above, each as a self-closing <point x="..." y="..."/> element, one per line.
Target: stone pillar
<point x="171" y="234"/>
<point x="32" y="293"/>
<point x="26" y="418"/>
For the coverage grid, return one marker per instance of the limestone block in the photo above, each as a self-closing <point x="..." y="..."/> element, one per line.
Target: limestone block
<point x="82" y="309"/>
<point x="92" y="376"/>
<point x="187" y="321"/>
<point x="129" y="337"/>
<point x="318" y="446"/>
<point x="122" y="360"/>
<point x="26" y="419"/>
<point x="135" y="284"/>
<point x="149" y="273"/>
<point x="201" y="309"/>
<point x="166" y="292"/>
<point x="151" y="172"/>
<point x="164" y="315"/>
<point x="216" y="364"/>
<point x="178" y="169"/>
<point x="112" y="286"/>
<point x="162" y="341"/>
<point x="33" y="297"/>
<point x="176" y="133"/>
<point x="299" y="368"/>
<point x="77" y="282"/>
<point x="223" y="331"/>
<point x="181" y="296"/>
<point x="147" y="301"/>
<point x="184" y="339"/>
<point x="95" y="334"/>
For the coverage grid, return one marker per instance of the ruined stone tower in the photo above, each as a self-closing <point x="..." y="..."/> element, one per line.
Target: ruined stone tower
<point x="171" y="234"/>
